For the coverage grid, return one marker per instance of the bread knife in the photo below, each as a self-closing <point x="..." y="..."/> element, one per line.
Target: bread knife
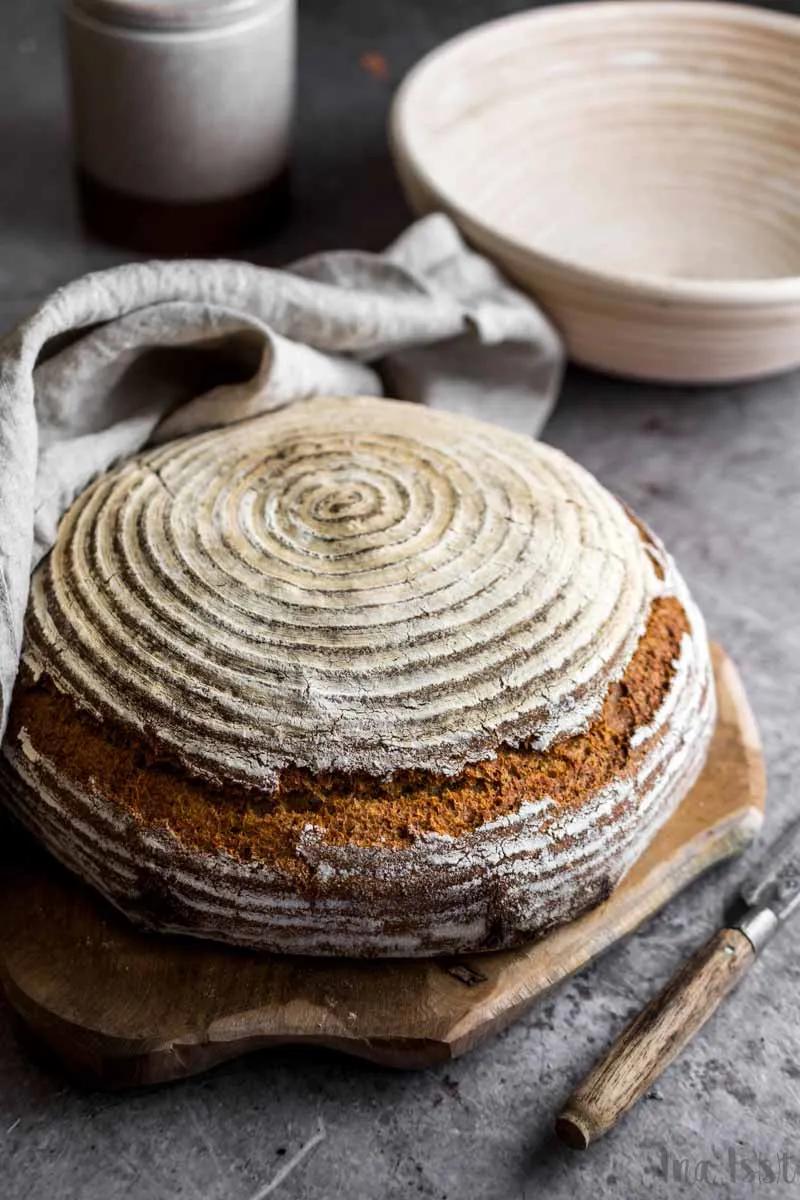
<point x="661" y="1031"/>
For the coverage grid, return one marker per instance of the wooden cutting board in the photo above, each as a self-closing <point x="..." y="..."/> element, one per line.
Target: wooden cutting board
<point x="118" y="1007"/>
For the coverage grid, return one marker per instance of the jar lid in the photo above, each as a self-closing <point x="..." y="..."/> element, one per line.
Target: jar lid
<point x="168" y="14"/>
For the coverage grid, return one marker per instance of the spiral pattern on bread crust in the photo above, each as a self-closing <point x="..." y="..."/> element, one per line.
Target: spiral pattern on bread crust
<point x="364" y="587"/>
<point x="346" y="585"/>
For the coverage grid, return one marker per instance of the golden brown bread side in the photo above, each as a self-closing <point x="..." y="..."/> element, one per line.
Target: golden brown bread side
<point x="255" y="824"/>
<point x="273" y="694"/>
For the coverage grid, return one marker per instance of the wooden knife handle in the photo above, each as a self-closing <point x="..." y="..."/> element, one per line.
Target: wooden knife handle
<point x="654" y="1038"/>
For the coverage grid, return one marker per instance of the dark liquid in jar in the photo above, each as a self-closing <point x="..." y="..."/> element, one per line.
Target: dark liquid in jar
<point x="156" y="227"/>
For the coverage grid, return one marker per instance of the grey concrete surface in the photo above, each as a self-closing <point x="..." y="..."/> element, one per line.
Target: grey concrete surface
<point x="717" y="473"/>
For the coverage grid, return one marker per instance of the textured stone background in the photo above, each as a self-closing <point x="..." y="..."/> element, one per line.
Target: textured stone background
<point x="717" y="472"/>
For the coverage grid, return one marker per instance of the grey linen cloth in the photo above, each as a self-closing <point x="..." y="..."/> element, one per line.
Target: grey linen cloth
<point x="152" y="351"/>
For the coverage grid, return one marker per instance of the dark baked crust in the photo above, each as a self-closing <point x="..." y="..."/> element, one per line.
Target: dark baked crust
<point x="266" y="825"/>
<point x="296" y="844"/>
<point x="357" y="677"/>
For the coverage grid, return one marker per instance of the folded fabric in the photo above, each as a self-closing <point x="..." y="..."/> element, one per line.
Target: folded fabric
<point x="153" y="351"/>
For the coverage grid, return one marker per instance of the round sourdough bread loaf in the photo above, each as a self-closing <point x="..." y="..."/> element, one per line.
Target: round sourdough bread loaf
<point x="355" y="678"/>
